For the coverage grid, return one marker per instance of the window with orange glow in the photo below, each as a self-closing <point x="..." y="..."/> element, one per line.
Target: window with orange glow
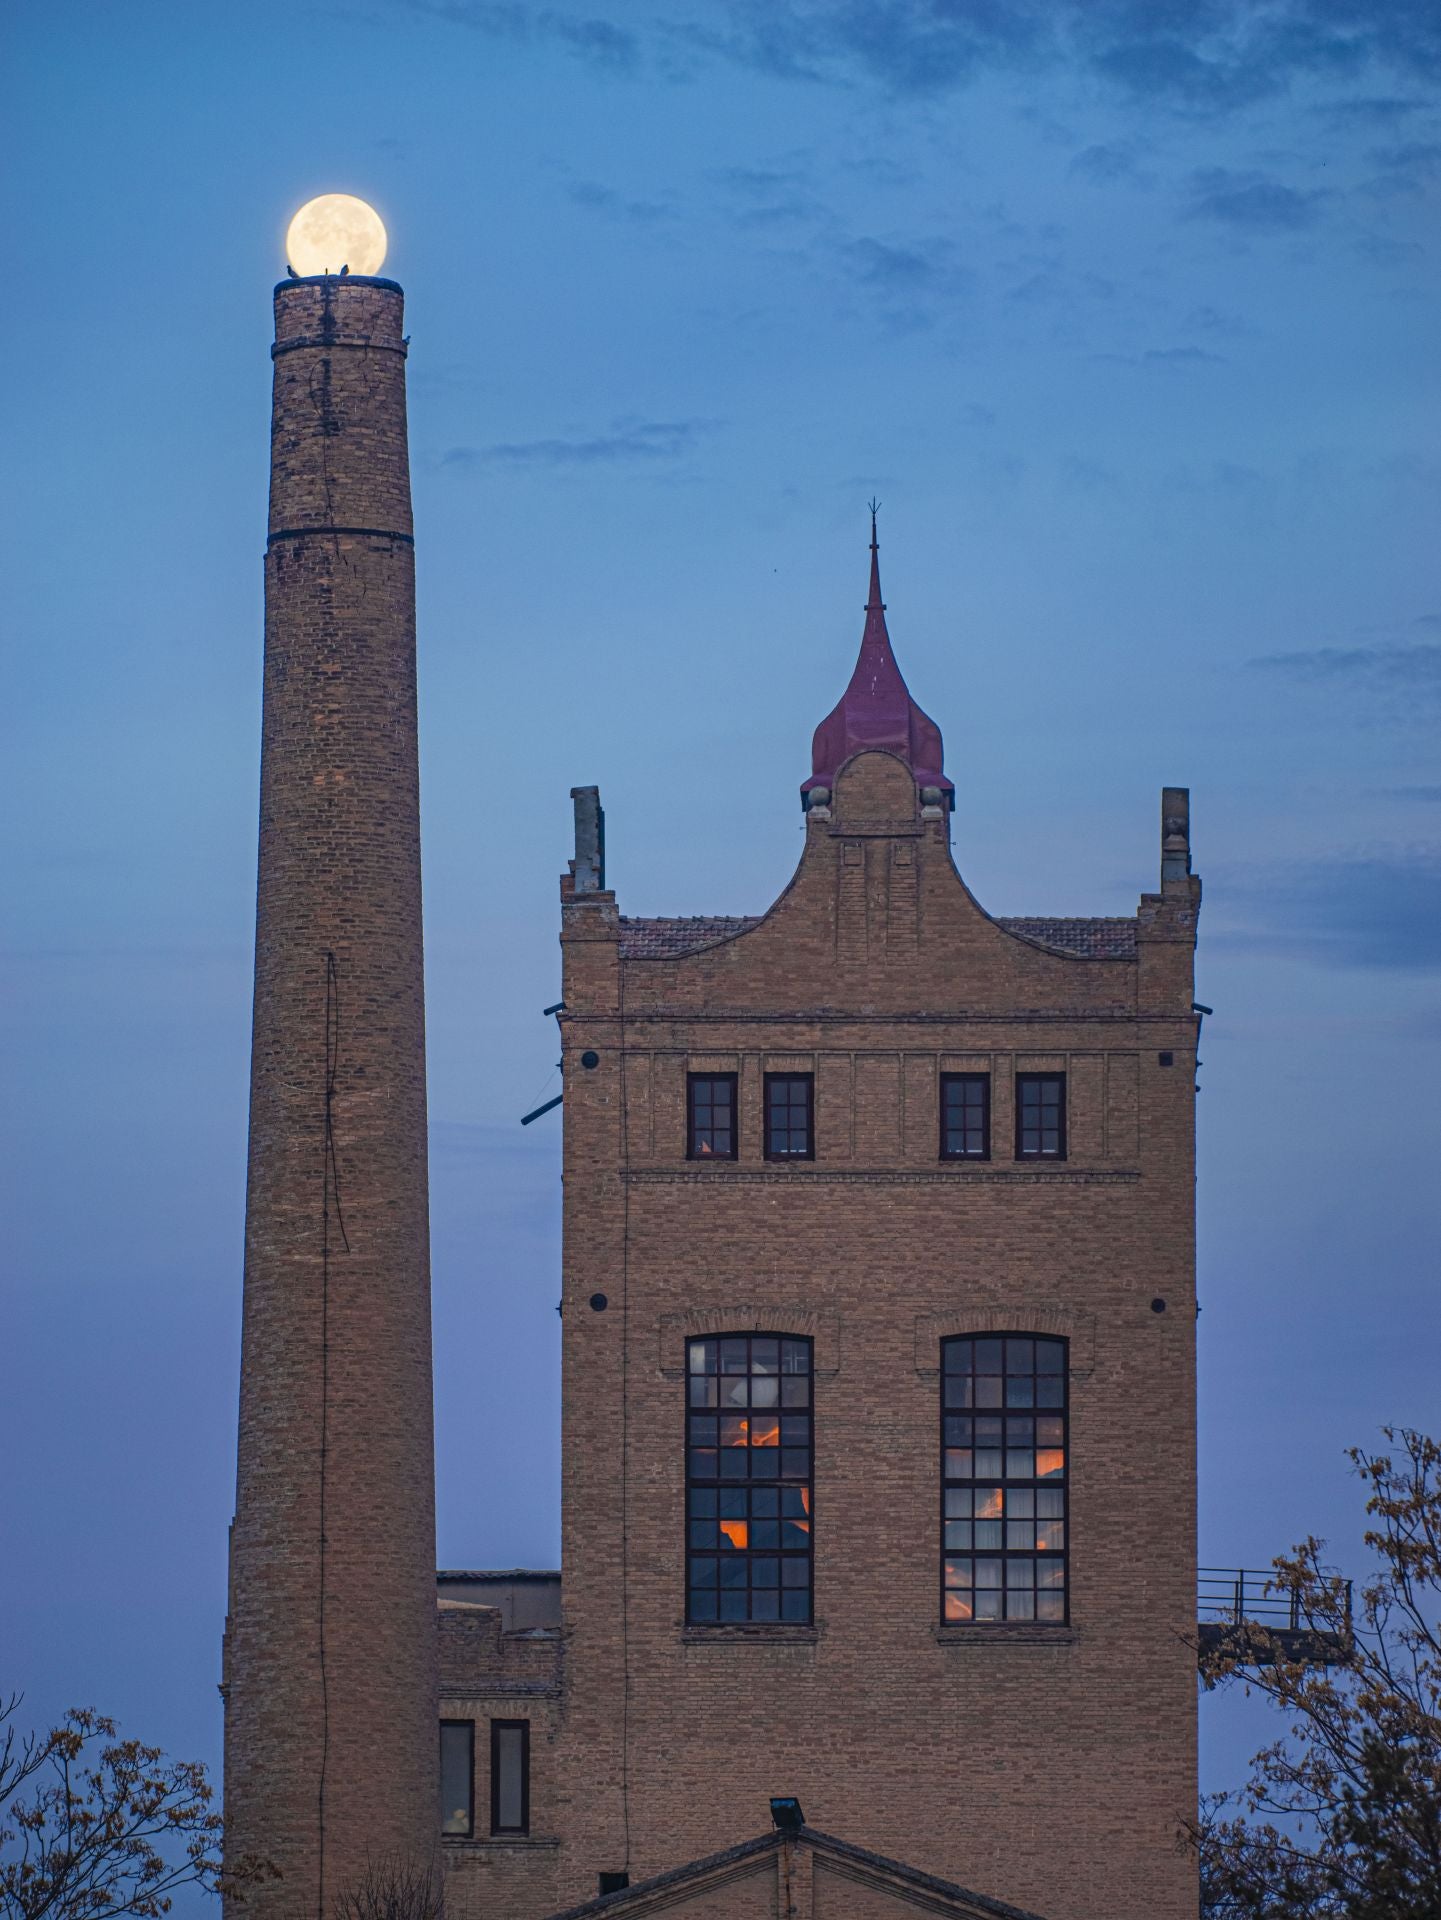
<point x="1003" y="1479"/>
<point x="748" y="1479"/>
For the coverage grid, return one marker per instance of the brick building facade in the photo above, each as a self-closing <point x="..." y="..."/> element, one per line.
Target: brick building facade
<point x="908" y="1172"/>
<point x="878" y="1331"/>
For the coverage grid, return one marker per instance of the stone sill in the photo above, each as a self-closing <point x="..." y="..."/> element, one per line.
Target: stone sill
<point x="1006" y="1633"/>
<point x="764" y="1633"/>
<point x="497" y="1843"/>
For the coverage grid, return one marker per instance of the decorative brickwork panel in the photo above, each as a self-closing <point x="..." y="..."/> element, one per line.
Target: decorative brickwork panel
<point x="878" y="1109"/>
<point x="835" y="1105"/>
<point x="1086" y="1120"/>
<point x="1123" y="1116"/>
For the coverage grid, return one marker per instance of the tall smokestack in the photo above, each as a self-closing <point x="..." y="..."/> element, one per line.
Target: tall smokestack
<point x="331" y="1711"/>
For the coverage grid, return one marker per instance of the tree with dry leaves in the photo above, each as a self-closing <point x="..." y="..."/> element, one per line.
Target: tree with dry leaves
<point x="1342" y="1815"/>
<point x="93" y="1827"/>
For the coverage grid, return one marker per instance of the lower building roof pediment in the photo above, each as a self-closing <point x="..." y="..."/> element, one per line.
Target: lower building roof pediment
<point x="815" y="1869"/>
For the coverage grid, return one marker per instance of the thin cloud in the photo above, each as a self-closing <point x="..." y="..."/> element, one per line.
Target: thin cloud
<point x="910" y="283"/>
<point x="1163" y="359"/>
<point x="1253" y="203"/>
<point x="878" y="264"/>
<point x="644" y="442"/>
<point x="1413" y="670"/>
<point x="767" y="196"/>
<point x="1379" y="911"/>
<point x="1200" y="60"/>
<point x="597" y="198"/>
<point x="1109" y="165"/>
<point x="1377" y="250"/>
<point x="591" y="39"/>
<point x="1178" y="359"/>
<point x="1406" y="169"/>
<point x="1385" y="111"/>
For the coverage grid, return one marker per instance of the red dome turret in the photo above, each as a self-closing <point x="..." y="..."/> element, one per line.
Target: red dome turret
<point x="876" y="709"/>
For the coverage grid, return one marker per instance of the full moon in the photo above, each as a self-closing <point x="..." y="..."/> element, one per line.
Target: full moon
<point x="334" y="231"/>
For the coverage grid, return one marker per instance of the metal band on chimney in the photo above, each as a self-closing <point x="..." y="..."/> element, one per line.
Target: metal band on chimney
<point x="359" y="533"/>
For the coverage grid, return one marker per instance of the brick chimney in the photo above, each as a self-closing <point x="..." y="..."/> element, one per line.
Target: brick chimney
<point x="330" y="1733"/>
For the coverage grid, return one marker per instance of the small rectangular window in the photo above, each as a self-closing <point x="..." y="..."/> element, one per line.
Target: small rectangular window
<point x="965" y="1116"/>
<point x="510" y="1776"/>
<point x="710" y="1116"/>
<point x="457" y="1778"/>
<point x="790" y="1116"/>
<point x="613" y="1883"/>
<point x="1040" y="1116"/>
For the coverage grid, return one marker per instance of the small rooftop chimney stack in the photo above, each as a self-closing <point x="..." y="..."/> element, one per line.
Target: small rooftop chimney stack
<point x="1175" y="836"/>
<point x="589" y="840"/>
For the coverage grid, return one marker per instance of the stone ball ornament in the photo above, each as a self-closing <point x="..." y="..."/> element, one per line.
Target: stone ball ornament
<point x="335" y="232"/>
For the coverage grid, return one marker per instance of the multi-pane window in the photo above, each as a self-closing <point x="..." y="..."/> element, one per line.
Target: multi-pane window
<point x="790" y="1112"/>
<point x="1003" y="1441"/>
<point x="965" y="1116"/>
<point x="510" y="1776"/>
<point x="457" y="1778"/>
<point x="1040" y="1116"/>
<point x="748" y="1479"/>
<point x="710" y="1116"/>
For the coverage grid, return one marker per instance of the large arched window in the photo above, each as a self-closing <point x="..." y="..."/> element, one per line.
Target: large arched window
<point x="1003" y="1478"/>
<point x="748" y="1479"/>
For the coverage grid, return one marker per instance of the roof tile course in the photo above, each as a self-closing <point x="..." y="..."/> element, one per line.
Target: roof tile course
<point x="660" y="939"/>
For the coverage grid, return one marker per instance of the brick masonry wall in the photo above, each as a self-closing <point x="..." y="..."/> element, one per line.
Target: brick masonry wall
<point x="330" y="1755"/>
<point x="1048" y="1766"/>
<point x="487" y="1674"/>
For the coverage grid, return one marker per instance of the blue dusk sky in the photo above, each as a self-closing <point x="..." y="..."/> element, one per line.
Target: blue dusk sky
<point x="1126" y="311"/>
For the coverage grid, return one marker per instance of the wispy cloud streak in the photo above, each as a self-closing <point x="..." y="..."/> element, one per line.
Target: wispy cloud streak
<point x="643" y="441"/>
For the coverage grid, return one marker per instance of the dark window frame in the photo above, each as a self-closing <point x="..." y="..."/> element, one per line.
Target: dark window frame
<point x="692" y="1080"/>
<point x="983" y="1080"/>
<point x="450" y="1833"/>
<point x="497" y="1727"/>
<point x="716" y="1485"/>
<point x="771" y="1153"/>
<point x="1036" y="1079"/>
<point x="1024" y="1484"/>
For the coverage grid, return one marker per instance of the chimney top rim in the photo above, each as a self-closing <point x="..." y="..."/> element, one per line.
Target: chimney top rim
<point x="337" y="280"/>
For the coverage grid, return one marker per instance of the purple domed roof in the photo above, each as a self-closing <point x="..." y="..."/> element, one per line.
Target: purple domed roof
<point x="876" y="709"/>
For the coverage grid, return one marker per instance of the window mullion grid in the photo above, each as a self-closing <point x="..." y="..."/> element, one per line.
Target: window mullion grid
<point x="965" y="1116"/>
<point x="749" y="1460"/>
<point x="1005" y="1472"/>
